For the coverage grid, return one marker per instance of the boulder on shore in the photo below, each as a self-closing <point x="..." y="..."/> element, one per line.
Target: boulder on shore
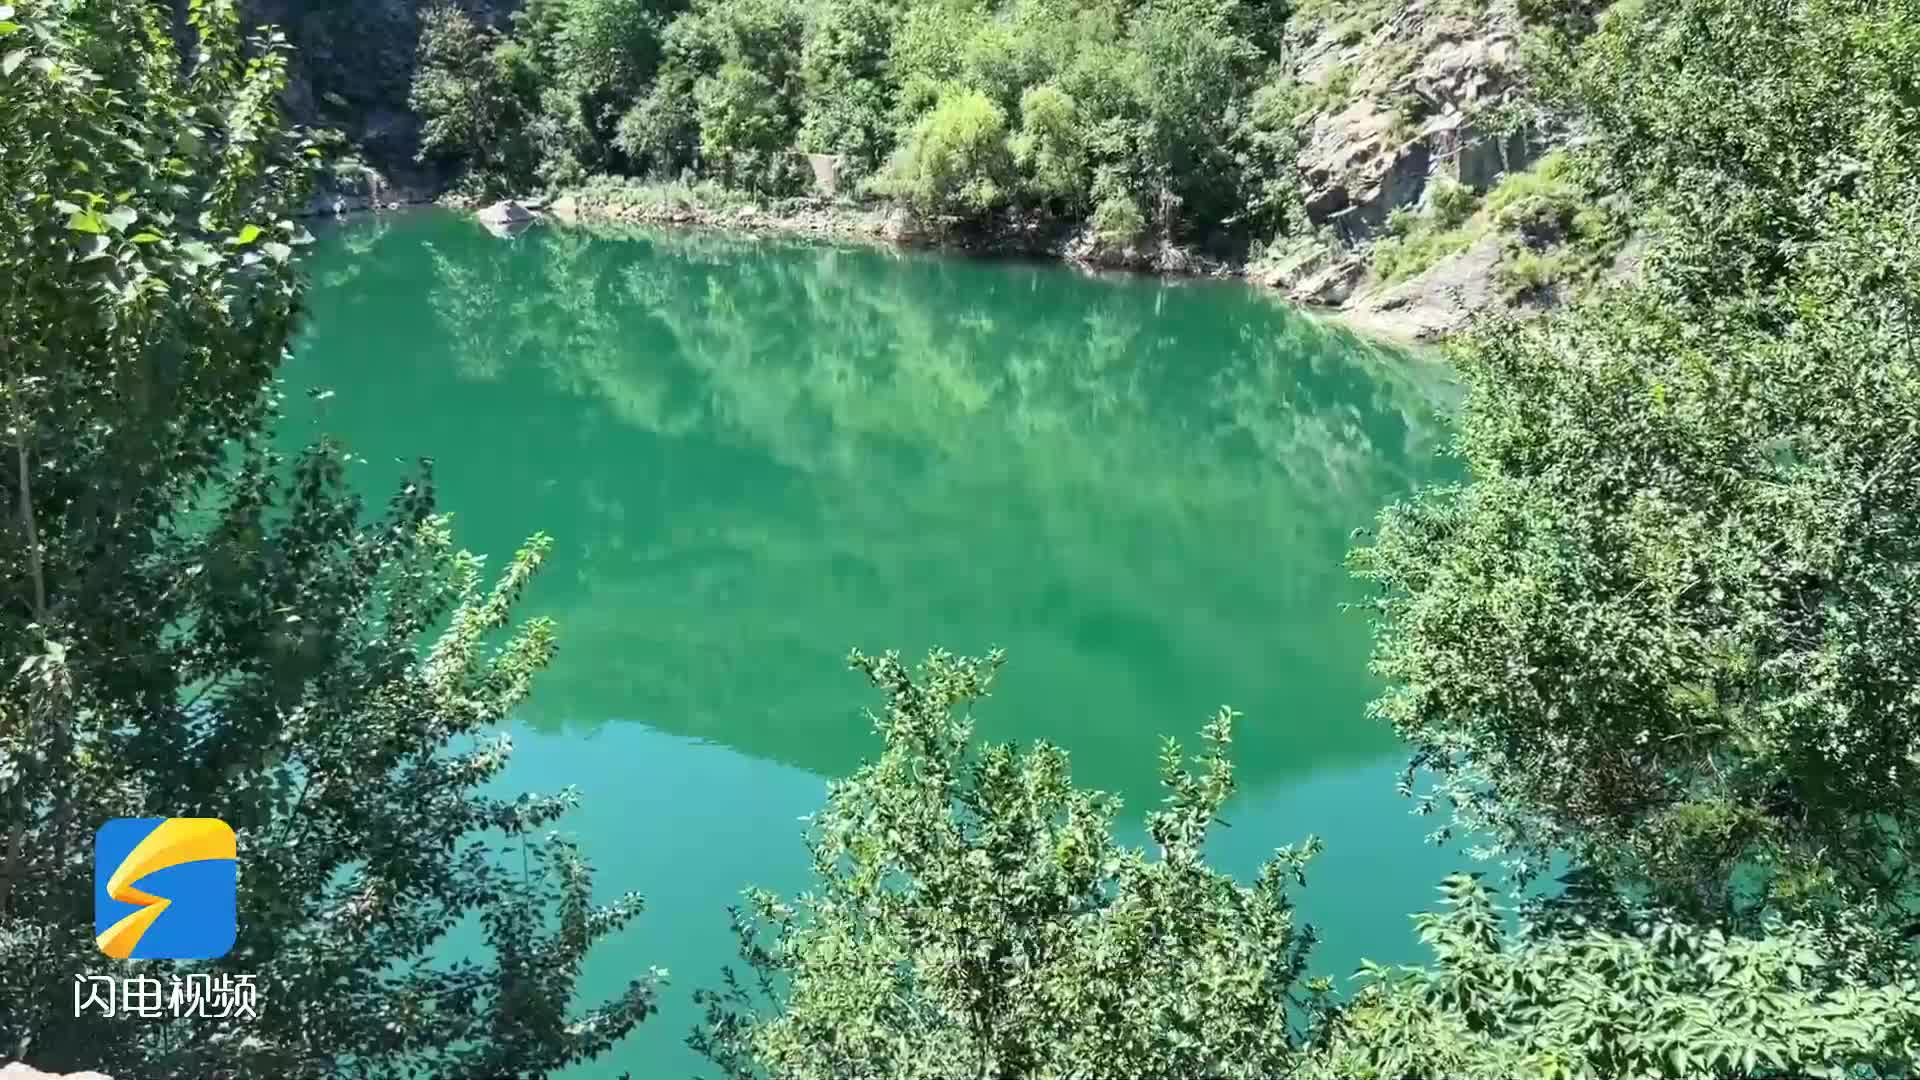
<point x="505" y="212"/>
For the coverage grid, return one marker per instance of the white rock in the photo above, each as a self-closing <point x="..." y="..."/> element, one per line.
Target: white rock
<point x="505" y="212"/>
<point x="18" y="1071"/>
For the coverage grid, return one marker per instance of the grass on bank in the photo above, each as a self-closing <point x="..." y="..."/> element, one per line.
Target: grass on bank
<point x="1553" y="230"/>
<point x="661" y="197"/>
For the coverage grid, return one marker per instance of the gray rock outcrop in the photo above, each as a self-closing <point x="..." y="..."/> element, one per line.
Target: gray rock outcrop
<point x="1401" y="94"/>
<point x="1407" y="103"/>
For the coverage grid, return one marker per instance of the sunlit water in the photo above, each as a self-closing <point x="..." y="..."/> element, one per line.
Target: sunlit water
<point x="754" y="456"/>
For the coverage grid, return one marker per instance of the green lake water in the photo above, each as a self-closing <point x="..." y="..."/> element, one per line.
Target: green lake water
<point x="756" y="455"/>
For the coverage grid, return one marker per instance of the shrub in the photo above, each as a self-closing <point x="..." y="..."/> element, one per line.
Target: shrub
<point x="956" y="159"/>
<point x="1619" y="993"/>
<point x="972" y="915"/>
<point x="1450" y="202"/>
<point x="1668" y="626"/>
<point x="1049" y="149"/>
<point x="1415" y="243"/>
<point x="1117" y="220"/>
<point x="1525" y="272"/>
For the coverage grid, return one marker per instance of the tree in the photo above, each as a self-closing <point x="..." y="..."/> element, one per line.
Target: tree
<point x="660" y="134"/>
<point x="475" y="93"/>
<point x="847" y="104"/>
<point x="1266" y="152"/>
<point x="1193" y="67"/>
<point x="745" y="56"/>
<point x="1734" y="120"/>
<point x="973" y="916"/>
<point x="604" y="51"/>
<point x="1670" y="623"/>
<point x="743" y="127"/>
<point x="190" y="627"/>
<point x="592" y="59"/>
<point x="1048" y="148"/>
<point x="955" y="160"/>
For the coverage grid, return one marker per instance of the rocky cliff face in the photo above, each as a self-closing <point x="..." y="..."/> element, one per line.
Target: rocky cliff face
<point x="1406" y="93"/>
<point x="1409" y="101"/>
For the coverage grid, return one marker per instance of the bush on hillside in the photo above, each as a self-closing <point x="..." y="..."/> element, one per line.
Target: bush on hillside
<point x="1669" y="626"/>
<point x="955" y="161"/>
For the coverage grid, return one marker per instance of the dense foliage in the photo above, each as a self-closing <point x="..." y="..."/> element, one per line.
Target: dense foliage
<point x="1669" y="625"/>
<point x="1667" y="630"/>
<point x="1622" y="993"/>
<point x="1167" y="109"/>
<point x="1736" y="122"/>
<point x="972" y="915"/>
<point x="192" y="626"/>
<point x="975" y="917"/>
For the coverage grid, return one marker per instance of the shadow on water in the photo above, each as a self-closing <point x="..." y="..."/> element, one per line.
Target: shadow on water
<point x="754" y="455"/>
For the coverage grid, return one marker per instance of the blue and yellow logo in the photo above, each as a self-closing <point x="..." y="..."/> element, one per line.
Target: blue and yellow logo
<point x="185" y="906"/>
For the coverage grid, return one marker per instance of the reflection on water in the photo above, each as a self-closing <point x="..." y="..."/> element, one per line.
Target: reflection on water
<point x="756" y="455"/>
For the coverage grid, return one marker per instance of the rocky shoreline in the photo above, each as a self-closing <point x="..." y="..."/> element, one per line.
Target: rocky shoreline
<point x="1403" y="316"/>
<point x="1397" y="107"/>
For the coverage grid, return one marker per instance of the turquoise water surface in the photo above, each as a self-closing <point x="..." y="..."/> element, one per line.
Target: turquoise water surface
<point x="756" y="455"/>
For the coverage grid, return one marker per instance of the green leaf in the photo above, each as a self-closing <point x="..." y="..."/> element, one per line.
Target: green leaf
<point x="8" y="28"/>
<point x="246" y="236"/>
<point x="12" y="61"/>
<point x="86" y="221"/>
<point x="200" y="254"/>
<point x="146" y="238"/>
